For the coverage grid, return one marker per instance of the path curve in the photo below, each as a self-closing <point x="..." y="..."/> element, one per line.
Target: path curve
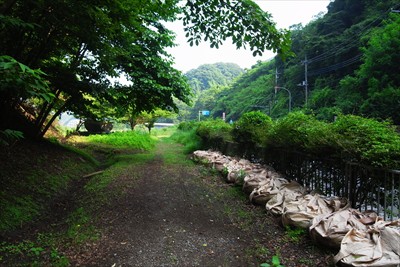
<point x="170" y="213"/>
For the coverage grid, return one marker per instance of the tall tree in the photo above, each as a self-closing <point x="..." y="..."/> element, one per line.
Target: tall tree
<point x="81" y="44"/>
<point x="380" y="72"/>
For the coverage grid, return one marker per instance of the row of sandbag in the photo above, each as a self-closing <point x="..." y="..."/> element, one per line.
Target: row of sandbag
<point x="364" y="239"/>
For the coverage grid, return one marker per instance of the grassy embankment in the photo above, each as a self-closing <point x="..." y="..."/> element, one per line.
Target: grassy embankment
<point x="44" y="177"/>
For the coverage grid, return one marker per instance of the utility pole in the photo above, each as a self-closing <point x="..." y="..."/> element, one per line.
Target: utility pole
<point x="276" y="82"/>
<point x="305" y="82"/>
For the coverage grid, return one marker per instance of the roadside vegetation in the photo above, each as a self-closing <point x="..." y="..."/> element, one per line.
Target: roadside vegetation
<point x="350" y="137"/>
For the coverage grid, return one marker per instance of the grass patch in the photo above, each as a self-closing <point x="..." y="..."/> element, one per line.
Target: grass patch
<point x="163" y="132"/>
<point x="123" y="164"/>
<point x="31" y="253"/>
<point x="22" y="200"/>
<point x="85" y="155"/>
<point x="124" y="140"/>
<point x="188" y="138"/>
<point x="17" y="210"/>
<point x="80" y="228"/>
<point x="173" y="154"/>
<point x="236" y="192"/>
<point x="295" y="234"/>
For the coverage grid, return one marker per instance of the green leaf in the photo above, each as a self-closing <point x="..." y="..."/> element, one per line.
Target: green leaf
<point x="23" y="67"/>
<point x="7" y="65"/>
<point x="275" y="260"/>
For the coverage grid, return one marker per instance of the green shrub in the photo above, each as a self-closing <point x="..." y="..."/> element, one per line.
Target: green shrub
<point x="188" y="125"/>
<point x="368" y="140"/>
<point x="214" y="131"/>
<point x="252" y="128"/>
<point x="319" y="138"/>
<point x="350" y="137"/>
<point x="290" y="130"/>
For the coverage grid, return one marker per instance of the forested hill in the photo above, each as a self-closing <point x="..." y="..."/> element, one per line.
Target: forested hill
<point x="351" y="55"/>
<point x="208" y="75"/>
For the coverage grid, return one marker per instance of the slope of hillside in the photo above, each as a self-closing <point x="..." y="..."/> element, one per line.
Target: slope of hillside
<point x="348" y="56"/>
<point x="208" y="75"/>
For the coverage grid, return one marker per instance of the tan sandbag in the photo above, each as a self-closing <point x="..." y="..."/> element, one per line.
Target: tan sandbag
<point x="330" y="229"/>
<point x="286" y="193"/>
<point x="235" y="176"/>
<point x="220" y="163"/>
<point x="258" y="177"/>
<point x="377" y="247"/>
<point x="234" y="171"/>
<point x="255" y="180"/>
<point x="208" y="156"/>
<point x="199" y="155"/>
<point x="302" y="211"/>
<point x="238" y="170"/>
<point x="267" y="190"/>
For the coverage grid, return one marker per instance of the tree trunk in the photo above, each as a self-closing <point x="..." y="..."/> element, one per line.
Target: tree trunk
<point x="79" y="125"/>
<point x="132" y="123"/>
<point x="55" y="115"/>
<point x="45" y="111"/>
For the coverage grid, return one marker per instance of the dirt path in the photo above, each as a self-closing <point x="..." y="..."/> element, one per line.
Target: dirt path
<point x="175" y="213"/>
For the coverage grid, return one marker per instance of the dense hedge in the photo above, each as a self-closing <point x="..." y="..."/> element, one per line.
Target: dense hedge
<point x="252" y="128"/>
<point x="214" y="130"/>
<point x="350" y="137"/>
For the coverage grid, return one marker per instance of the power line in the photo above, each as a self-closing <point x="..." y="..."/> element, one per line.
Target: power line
<point x="343" y="46"/>
<point x="336" y="66"/>
<point x="337" y="49"/>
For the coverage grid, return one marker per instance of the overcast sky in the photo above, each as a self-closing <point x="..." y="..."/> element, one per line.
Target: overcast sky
<point x="284" y="12"/>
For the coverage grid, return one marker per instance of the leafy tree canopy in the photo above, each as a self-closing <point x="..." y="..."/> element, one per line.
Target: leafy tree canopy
<point x="80" y="45"/>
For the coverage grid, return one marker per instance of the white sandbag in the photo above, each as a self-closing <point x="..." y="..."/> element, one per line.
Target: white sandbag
<point x="300" y="212"/>
<point x="268" y="189"/>
<point x="255" y="180"/>
<point x="330" y="229"/>
<point x="200" y="155"/>
<point x="286" y="193"/>
<point x="208" y="156"/>
<point x="238" y="170"/>
<point x="377" y="247"/>
<point x="220" y="163"/>
<point x="234" y="172"/>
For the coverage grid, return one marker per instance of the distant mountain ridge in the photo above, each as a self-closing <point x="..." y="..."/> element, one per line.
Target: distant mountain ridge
<point x="208" y="75"/>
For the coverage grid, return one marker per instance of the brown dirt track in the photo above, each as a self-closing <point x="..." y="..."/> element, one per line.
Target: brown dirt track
<point x="169" y="211"/>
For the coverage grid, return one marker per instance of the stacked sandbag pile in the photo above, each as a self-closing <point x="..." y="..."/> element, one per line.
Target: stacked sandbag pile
<point x="266" y="189"/>
<point x="304" y="209"/>
<point x="330" y="229"/>
<point x="379" y="245"/>
<point x="364" y="239"/>
<point x="286" y="193"/>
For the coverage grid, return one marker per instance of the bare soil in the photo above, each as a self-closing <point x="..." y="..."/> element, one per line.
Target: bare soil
<point x="164" y="213"/>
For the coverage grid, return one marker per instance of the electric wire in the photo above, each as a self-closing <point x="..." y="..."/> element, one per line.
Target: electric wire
<point x="337" y="49"/>
<point x="345" y="45"/>
<point x="335" y="66"/>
